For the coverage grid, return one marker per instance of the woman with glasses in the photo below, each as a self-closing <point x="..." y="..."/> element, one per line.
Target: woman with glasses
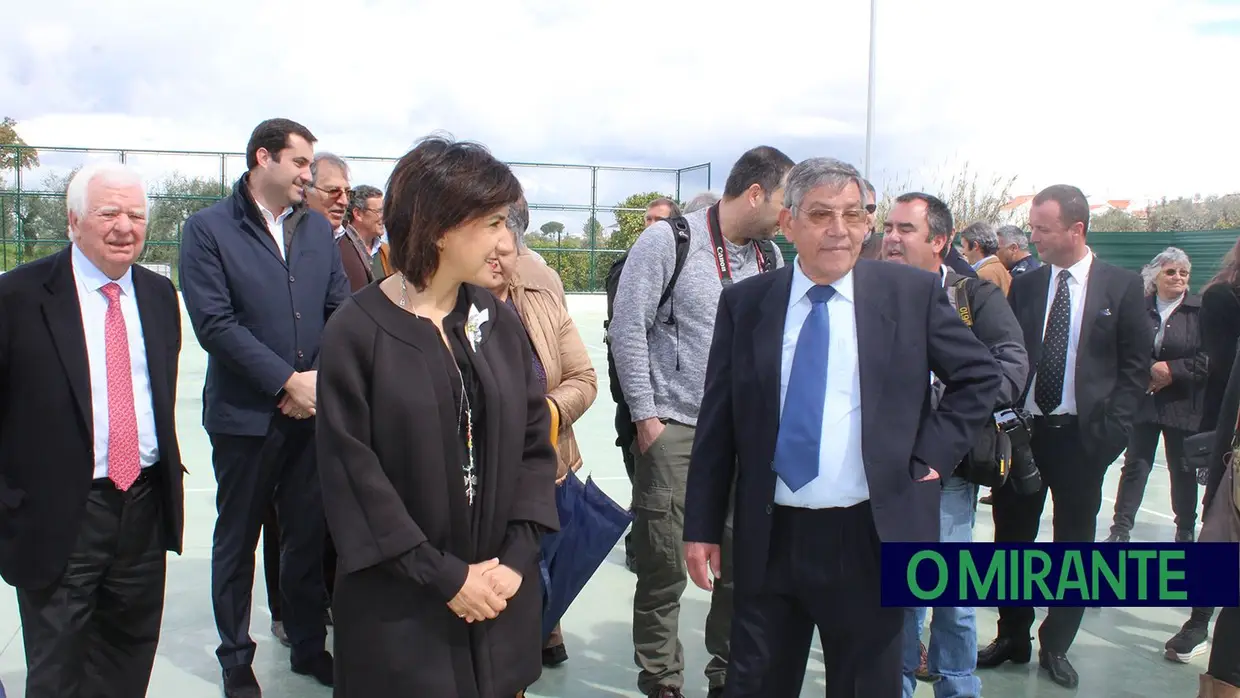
<point x="434" y="449"/>
<point x="1173" y="403"/>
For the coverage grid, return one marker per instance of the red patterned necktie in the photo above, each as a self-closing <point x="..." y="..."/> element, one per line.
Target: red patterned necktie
<point x="123" y="458"/>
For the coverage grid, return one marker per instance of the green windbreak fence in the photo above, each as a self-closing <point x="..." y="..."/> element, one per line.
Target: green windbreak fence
<point x="1205" y="248"/>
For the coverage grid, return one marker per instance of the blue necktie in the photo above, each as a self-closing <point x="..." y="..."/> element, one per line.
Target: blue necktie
<point x="800" y="429"/>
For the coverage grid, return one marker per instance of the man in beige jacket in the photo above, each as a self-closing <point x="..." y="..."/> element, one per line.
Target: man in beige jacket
<point x="979" y="242"/>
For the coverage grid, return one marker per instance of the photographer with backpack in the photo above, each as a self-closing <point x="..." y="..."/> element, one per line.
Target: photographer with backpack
<point x="917" y="232"/>
<point x="662" y="317"/>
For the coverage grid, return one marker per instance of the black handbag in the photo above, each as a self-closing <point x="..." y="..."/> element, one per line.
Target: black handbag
<point x="1197" y="450"/>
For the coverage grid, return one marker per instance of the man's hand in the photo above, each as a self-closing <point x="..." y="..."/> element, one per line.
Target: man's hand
<point x="704" y="560"/>
<point x="1160" y="375"/>
<point x="647" y="431"/>
<point x="477" y="601"/>
<point x="504" y="581"/>
<point x="932" y="475"/>
<point x="300" y="392"/>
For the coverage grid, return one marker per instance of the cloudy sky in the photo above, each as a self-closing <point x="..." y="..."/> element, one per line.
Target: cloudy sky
<point x="1125" y="98"/>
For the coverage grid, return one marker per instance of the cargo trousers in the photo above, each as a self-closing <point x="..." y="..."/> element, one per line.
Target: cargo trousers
<point x="659" y="482"/>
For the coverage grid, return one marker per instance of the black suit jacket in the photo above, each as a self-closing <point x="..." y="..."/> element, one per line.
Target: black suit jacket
<point x="906" y="328"/>
<point x="47" y="458"/>
<point x="1113" y="354"/>
<point x="258" y="315"/>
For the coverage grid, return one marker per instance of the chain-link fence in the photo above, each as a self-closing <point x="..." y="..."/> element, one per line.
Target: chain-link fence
<point x="572" y="207"/>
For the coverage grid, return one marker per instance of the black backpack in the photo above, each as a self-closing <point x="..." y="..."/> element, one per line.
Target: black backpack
<point x="625" y="431"/>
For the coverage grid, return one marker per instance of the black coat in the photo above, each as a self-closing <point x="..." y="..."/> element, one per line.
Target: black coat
<point x="390" y="463"/>
<point x="906" y="328"/>
<point x="1113" y="353"/>
<point x="47" y="456"/>
<point x="1179" y="404"/>
<point x="1220" y="328"/>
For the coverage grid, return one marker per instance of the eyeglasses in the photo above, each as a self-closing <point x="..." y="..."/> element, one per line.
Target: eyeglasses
<point x="1176" y="272"/>
<point x="335" y="192"/>
<point x="820" y="217"/>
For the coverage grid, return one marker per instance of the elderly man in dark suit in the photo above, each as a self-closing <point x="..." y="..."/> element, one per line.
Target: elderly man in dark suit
<point x="817" y="403"/>
<point x="261" y="274"/>
<point x="1089" y="341"/>
<point x="91" y="494"/>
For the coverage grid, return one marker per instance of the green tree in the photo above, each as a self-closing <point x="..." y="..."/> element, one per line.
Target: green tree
<point x="593" y="231"/>
<point x="631" y="223"/>
<point x="13" y="150"/>
<point x="172" y="201"/>
<point x="1117" y="221"/>
<point x="552" y="228"/>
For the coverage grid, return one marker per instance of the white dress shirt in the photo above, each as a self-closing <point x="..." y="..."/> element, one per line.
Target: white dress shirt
<point x="275" y="225"/>
<point x="94" y="305"/>
<point x="841" y="480"/>
<point x="1078" y="285"/>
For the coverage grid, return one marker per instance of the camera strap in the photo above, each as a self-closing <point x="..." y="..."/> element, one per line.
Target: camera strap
<point x="719" y="248"/>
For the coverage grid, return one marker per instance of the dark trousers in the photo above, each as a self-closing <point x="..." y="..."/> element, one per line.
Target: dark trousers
<point x="1074" y="477"/>
<point x="271" y="562"/>
<point x="1225" y="653"/>
<point x="249" y="471"/>
<point x="93" y="634"/>
<point x="1139" y="461"/>
<point x="823" y="571"/>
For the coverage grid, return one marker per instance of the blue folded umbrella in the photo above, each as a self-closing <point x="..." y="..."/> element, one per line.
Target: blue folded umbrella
<point x="591" y="524"/>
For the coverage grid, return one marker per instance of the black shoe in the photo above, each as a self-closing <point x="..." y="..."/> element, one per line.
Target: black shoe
<point x="318" y="666"/>
<point x="1118" y="537"/>
<point x="1190" y="642"/>
<point x="554" y="656"/>
<point x="665" y="692"/>
<point x="1059" y="668"/>
<point x="716" y="692"/>
<point x="1004" y="649"/>
<point x="1187" y="536"/>
<point x="988" y="500"/>
<point x="239" y="682"/>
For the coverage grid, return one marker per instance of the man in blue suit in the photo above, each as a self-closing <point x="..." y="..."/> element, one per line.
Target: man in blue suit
<point x="817" y="404"/>
<point x="260" y="274"/>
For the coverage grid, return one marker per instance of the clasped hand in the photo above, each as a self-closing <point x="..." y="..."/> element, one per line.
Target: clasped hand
<point x="487" y="589"/>
<point x="299" y="395"/>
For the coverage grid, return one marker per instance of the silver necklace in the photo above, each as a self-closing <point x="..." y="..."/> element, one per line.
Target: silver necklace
<point x="464" y="412"/>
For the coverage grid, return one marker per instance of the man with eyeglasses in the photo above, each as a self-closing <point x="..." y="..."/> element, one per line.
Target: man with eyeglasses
<point x="260" y="274"/>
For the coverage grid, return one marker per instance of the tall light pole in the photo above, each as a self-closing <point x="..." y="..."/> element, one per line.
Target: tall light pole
<point x="869" y="108"/>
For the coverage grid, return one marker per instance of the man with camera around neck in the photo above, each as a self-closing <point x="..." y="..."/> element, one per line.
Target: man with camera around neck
<point x="917" y="232"/>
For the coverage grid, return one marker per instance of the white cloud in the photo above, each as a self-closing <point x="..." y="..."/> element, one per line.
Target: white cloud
<point x="1124" y="99"/>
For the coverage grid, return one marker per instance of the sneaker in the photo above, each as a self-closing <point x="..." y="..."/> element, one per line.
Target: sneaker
<point x="1188" y="643"/>
<point x="1188" y="536"/>
<point x="923" y="668"/>
<point x="1118" y="537"/>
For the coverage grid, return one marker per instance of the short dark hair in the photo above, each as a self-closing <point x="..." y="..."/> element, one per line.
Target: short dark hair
<point x="938" y="214"/>
<point x="1073" y="206"/>
<point x="764" y="166"/>
<point x="272" y="136"/>
<point x="359" y="196"/>
<point x="434" y="188"/>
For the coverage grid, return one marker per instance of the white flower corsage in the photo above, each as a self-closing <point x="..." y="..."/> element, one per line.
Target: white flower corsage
<point x="473" y="325"/>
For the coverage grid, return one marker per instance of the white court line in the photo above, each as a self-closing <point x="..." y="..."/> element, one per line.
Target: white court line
<point x="1148" y="511"/>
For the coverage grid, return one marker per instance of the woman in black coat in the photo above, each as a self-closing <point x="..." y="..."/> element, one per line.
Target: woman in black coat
<point x="1220" y="332"/>
<point x="434" y="449"/>
<point x="1172" y="407"/>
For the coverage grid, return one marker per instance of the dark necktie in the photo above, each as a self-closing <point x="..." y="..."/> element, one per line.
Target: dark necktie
<point x="798" y="446"/>
<point x="1048" y="392"/>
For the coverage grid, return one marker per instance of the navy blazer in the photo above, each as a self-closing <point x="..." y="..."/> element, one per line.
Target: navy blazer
<point x="906" y="328"/>
<point x="259" y="317"/>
